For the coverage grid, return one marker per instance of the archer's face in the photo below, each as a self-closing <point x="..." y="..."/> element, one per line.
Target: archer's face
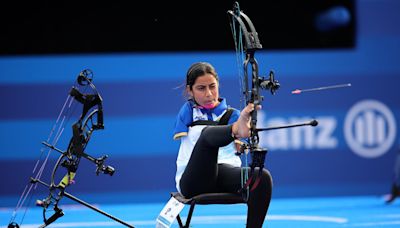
<point x="205" y="91"/>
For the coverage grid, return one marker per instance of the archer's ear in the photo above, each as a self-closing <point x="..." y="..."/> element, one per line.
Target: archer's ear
<point x="189" y="91"/>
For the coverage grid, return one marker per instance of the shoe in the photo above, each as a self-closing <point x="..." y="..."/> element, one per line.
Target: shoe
<point x="395" y="193"/>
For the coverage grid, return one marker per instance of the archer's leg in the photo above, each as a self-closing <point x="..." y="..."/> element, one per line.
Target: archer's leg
<point x="229" y="180"/>
<point x="395" y="190"/>
<point x="200" y="175"/>
<point x="259" y="200"/>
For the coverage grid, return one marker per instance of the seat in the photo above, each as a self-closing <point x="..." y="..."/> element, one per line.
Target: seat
<point x="203" y="199"/>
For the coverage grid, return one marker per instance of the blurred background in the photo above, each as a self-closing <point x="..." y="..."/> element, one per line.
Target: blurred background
<point x="139" y="55"/>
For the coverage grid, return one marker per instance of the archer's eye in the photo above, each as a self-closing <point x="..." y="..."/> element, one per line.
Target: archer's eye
<point x="201" y="88"/>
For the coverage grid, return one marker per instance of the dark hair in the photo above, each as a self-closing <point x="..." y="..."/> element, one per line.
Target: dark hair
<point x="199" y="69"/>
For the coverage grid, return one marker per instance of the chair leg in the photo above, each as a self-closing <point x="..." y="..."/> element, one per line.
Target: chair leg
<point x="179" y="221"/>
<point x="189" y="218"/>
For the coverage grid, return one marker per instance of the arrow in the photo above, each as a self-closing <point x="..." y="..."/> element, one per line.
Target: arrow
<point x="298" y="91"/>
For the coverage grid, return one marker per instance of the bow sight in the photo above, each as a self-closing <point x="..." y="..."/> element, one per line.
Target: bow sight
<point x="269" y="84"/>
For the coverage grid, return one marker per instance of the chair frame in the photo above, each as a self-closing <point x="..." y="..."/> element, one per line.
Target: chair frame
<point x="205" y="199"/>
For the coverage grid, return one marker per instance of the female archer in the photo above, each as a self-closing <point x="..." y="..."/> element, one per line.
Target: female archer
<point x="208" y="129"/>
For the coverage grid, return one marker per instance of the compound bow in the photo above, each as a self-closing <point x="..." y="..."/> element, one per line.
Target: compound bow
<point x="242" y="27"/>
<point x="90" y="120"/>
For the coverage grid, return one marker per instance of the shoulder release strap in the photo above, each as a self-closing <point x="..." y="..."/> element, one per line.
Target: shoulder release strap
<point x="225" y="118"/>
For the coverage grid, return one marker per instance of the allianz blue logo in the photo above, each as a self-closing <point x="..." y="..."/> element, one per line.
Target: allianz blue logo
<point x="370" y="128"/>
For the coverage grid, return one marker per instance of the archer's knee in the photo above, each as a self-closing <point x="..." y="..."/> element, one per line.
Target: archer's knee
<point x="266" y="179"/>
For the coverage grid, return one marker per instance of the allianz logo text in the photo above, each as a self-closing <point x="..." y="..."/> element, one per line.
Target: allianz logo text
<point x="320" y="137"/>
<point x="369" y="130"/>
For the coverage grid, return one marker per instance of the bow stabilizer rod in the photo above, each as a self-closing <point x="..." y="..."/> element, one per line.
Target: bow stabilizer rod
<point x="312" y="123"/>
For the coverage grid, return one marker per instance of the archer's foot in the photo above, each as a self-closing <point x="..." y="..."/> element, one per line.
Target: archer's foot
<point x="241" y="128"/>
<point x="394" y="194"/>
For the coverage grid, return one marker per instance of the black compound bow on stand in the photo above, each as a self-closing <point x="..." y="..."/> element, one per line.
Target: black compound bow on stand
<point x="252" y="85"/>
<point x="90" y="120"/>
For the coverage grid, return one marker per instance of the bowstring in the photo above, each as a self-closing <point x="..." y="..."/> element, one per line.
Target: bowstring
<point x="240" y="58"/>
